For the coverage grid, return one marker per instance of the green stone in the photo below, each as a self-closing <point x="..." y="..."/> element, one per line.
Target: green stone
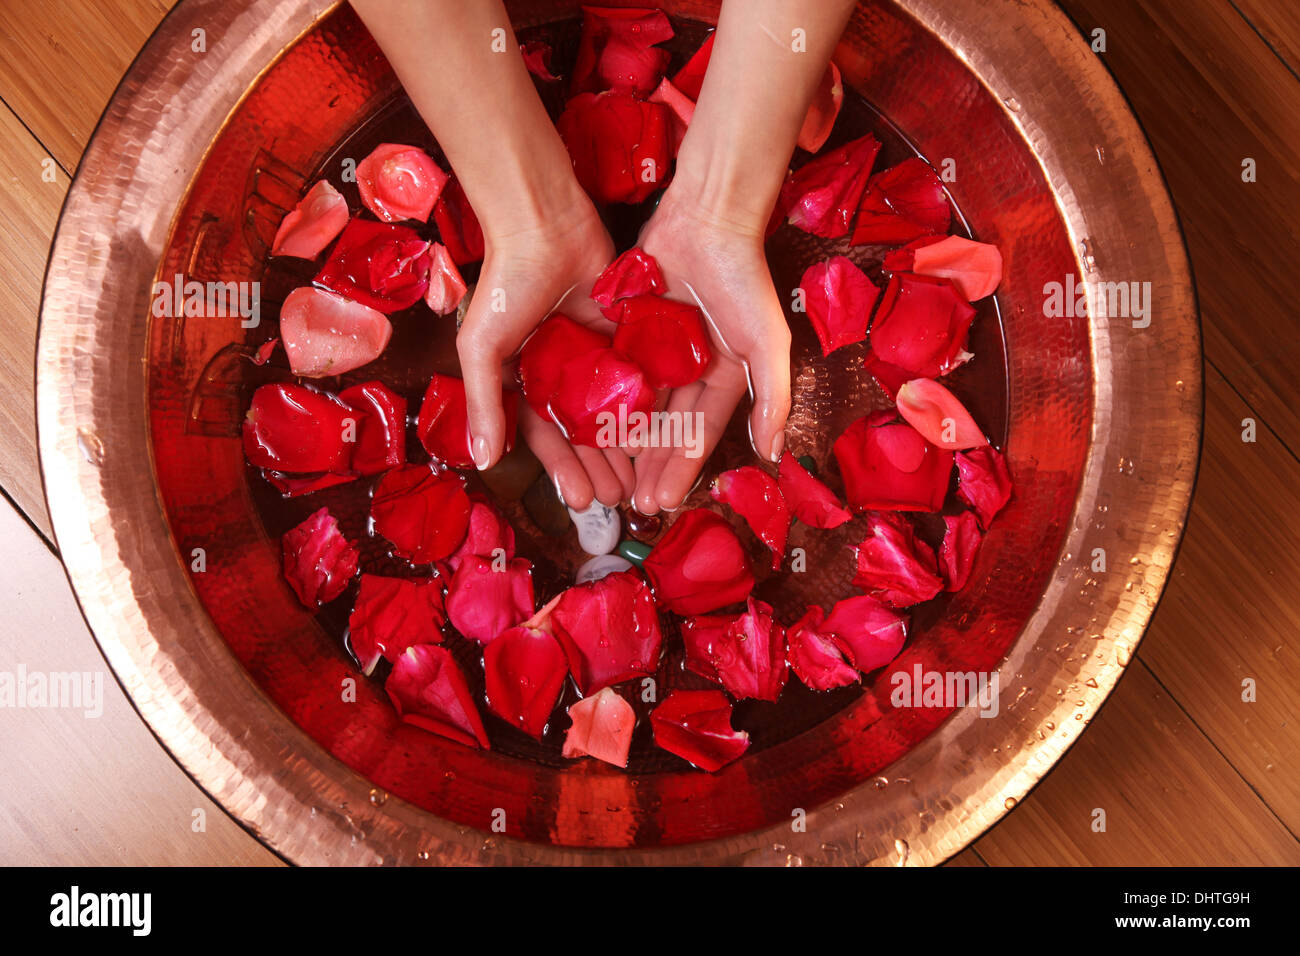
<point x="809" y="465"/>
<point x="634" y="551"/>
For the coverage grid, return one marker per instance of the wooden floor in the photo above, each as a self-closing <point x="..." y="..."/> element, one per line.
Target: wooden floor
<point x="1187" y="772"/>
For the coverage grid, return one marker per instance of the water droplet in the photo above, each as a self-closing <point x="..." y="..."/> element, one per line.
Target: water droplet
<point x="903" y="851"/>
<point x="1012" y="103"/>
<point x="880" y="783"/>
<point x="1009" y="803"/>
<point x="378" y="797"/>
<point x="92" y="449"/>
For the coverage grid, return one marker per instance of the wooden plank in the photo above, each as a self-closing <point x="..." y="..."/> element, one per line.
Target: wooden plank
<point x="1280" y="25"/>
<point x="80" y="789"/>
<point x="1210" y="94"/>
<point x="1230" y="614"/>
<point x="29" y="208"/>
<point x="62" y="62"/>
<point x="1169" y="797"/>
<point x="967" y="857"/>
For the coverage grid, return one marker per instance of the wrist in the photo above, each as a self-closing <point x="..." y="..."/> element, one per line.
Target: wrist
<point x="733" y="188"/>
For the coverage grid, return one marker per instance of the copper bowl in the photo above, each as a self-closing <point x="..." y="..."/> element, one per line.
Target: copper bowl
<point x="197" y="156"/>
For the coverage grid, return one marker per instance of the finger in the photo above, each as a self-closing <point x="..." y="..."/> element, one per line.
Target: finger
<point x="481" y="356"/>
<point x="650" y="462"/>
<point x="712" y="414"/>
<point x="557" y="457"/>
<point x="661" y="402"/>
<point x="623" y="471"/>
<point x="608" y="489"/>
<point x="768" y="366"/>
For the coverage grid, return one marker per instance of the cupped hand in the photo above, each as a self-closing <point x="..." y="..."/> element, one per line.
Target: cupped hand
<point x="529" y="272"/>
<point x="719" y="264"/>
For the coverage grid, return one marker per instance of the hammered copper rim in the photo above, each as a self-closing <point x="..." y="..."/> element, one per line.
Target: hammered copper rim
<point x="304" y="804"/>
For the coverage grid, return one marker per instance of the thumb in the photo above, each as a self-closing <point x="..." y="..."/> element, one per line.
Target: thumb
<point x="482" y="347"/>
<point x="767" y="363"/>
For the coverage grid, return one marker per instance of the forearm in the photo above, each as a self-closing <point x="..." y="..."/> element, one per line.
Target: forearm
<point x="762" y="75"/>
<point x="474" y="92"/>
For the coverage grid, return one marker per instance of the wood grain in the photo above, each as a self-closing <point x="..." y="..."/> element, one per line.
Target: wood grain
<point x="1279" y="23"/>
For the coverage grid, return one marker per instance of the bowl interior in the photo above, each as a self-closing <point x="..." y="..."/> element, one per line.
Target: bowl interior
<point x="330" y="97"/>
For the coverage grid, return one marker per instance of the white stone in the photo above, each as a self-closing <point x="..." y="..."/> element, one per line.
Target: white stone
<point x="599" y="528"/>
<point x="602" y="564"/>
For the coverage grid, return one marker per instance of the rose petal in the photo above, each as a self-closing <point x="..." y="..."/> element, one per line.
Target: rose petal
<point x="683" y="110"/>
<point x="429" y="692"/>
<point x="921" y="325"/>
<point x="489" y="534"/>
<point x="291" y="486"/>
<point x="890" y="378"/>
<point x="699" y="565"/>
<point x="822" y="111"/>
<point x="699" y="634"/>
<point x="690" y="78"/>
<point x="839" y="298"/>
<point x="399" y="182"/>
<point x="961" y="543"/>
<point x="984" y="482"/>
<point x="262" y="354"/>
<point x="821" y="196"/>
<point x="666" y="338"/>
<point x="423" y="513"/>
<point x="894" y="565"/>
<point x="696" y="726"/>
<point x="869" y="633"/>
<point x="888" y="466"/>
<point x="596" y="389"/>
<point x="292" y="428"/>
<point x="903" y="258"/>
<point x="624" y="30"/>
<point x="619" y="144"/>
<point x="754" y="495"/>
<point x="392" y="614"/>
<point x="443" y="424"/>
<point x="811" y="501"/>
<point x="381" y="434"/>
<point x="318" y="561"/>
<point x="378" y="264"/>
<point x="629" y="66"/>
<point x="975" y="268"/>
<point x="537" y="57"/>
<point x="557" y="341"/>
<point x="524" y="669"/>
<point x="749" y="657"/>
<point x="609" y="630"/>
<point x="602" y="728"/>
<point x="312" y="224"/>
<point x="487" y="597"/>
<point x="326" y="334"/>
<point x="815" y="657"/>
<point x="633" y="273"/>
<point x="938" y="415"/>
<point x="458" y="226"/>
<point x="902" y="203"/>
<point x="446" y="287"/>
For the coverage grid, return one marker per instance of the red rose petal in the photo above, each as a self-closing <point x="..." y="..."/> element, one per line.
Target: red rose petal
<point x="894" y="565"/>
<point x="619" y="144"/>
<point x="537" y="58"/>
<point x="938" y="415"/>
<point x="458" y="226"/>
<point x="312" y="224"/>
<point x="975" y="268"/>
<point x="921" y="325"/>
<point x="749" y="657"/>
<point x="633" y="273"/>
<point x="378" y="264"/>
<point x="446" y="287"/>
<point x="699" y="565"/>
<point x="666" y="337"/>
<point x="262" y="354"/>
<point x="318" y="561"/>
<point x="391" y="614"/>
<point x="984" y="482"/>
<point x="822" y="111"/>
<point x="595" y="390"/>
<point x="524" y="669"/>
<point x="486" y="598"/>
<point x="869" y="633"/>
<point x="888" y="466"/>
<point x="556" y="341"/>
<point x="690" y="78"/>
<point x="815" y="657"/>
<point x="624" y="30"/>
<point x="609" y="630"/>
<point x="890" y="378"/>
<point x="423" y="513"/>
<point x="903" y="258"/>
<point x="429" y="692"/>
<point x="822" y="196"/>
<point x="811" y="501"/>
<point x="443" y="425"/>
<point x="292" y="428"/>
<point x="399" y="182"/>
<point x="629" y="66"/>
<point x="961" y="543"/>
<point x="839" y="298"/>
<point x="696" y="726"/>
<point x="602" y="728"/>
<point x="754" y="495"/>
<point x="902" y="203"/>
<point x="683" y="110"/>
<point x="326" y="334"/>
<point x="489" y="534"/>
<point x="699" y="634"/>
<point x="381" y="433"/>
<point x="292" y="486"/>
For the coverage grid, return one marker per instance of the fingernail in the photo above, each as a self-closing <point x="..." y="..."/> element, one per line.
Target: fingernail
<point x="778" y="445"/>
<point x="479" y="449"/>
